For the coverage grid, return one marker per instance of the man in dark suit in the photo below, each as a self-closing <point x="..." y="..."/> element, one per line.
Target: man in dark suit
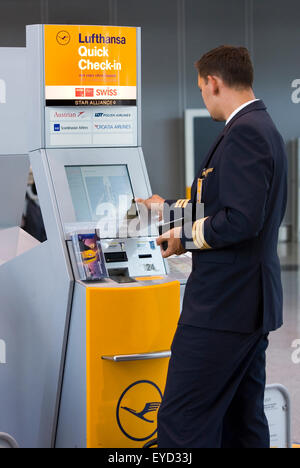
<point x="214" y="394"/>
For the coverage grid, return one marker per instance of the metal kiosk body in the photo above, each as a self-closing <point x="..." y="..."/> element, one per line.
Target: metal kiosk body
<point x="89" y="359"/>
<point x="81" y="364"/>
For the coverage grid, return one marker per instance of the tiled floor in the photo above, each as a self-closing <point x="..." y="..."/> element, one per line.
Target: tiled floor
<point x="281" y="368"/>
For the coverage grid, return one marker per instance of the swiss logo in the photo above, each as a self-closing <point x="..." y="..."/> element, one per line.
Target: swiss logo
<point x="79" y="92"/>
<point x="89" y="92"/>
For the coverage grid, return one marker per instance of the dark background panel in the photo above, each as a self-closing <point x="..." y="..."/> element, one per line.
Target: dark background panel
<point x="14" y="15"/>
<point x="277" y="60"/>
<point x="206" y="132"/>
<point x="175" y="33"/>
<point x="276" y="39"/>
<point x="208" y="25"/>
<point x="78" y="12"/>
<point x="162" y="130"/>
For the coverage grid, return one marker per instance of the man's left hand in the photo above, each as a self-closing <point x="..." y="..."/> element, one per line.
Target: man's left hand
<point x="173" y="238"/>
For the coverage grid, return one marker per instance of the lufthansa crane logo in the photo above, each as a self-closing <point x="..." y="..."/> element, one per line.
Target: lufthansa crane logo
<point x="137" y="410"/>
<point x="63" y="38"/>
<point x="149" y="408"/>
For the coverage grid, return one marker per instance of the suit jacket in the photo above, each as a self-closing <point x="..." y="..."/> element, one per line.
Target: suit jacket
<point x="235" y="284"/>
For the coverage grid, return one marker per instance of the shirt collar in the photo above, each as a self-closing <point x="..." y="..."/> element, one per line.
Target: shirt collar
<point x="239" y="109"/>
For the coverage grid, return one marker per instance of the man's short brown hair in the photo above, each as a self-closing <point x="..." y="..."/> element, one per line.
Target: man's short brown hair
<point x="232" y="64"/>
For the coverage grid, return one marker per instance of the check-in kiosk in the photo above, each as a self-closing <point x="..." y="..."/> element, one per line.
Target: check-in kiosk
<point x="90" y="358"/>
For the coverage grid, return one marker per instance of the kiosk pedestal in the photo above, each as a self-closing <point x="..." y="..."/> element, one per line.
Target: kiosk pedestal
<point x="125" y="335"/>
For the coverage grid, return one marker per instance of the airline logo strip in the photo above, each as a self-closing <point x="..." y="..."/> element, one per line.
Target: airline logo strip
<point x="90" y="65"/>
<point x="92" y="126"/>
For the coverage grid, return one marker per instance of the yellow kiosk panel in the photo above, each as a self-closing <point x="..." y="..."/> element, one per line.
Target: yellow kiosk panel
<point x="124" y="396"/>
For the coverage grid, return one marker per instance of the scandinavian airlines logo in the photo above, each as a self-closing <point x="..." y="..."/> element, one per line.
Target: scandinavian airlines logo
<point x="2" y="352"/>
<point x="2" y="92"/>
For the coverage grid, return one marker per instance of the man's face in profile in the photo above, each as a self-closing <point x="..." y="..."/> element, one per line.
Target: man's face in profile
<point x="210" y="90"/>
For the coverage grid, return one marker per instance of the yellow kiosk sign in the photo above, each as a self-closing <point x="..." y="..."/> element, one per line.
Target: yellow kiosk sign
<point x="90" y="65"/>
<point x="123" y="398"/>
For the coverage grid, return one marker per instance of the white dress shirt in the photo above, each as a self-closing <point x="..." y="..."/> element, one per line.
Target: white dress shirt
<point x="239" y="109"/>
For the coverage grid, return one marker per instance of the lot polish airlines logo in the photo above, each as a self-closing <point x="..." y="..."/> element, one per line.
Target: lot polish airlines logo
<point x="2" y="352"/>
<point x="2" y="92"/>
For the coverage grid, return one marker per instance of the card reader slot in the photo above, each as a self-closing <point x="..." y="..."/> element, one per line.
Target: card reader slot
<point x="116" y="257"/>
<point x="145" y="256"/>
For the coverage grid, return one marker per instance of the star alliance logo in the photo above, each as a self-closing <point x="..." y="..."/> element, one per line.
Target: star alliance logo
<point x="2" y="92"/>
<point x="2" y="352"/>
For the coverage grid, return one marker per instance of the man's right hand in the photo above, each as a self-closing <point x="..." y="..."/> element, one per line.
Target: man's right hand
<point x="154" y="204"/>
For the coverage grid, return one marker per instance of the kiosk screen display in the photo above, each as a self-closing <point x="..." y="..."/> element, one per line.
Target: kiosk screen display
<point x="100" y="191"/>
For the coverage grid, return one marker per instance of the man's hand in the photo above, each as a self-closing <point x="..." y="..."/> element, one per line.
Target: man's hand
<point x="154" y="204"/>
<point x="173" y="238"/>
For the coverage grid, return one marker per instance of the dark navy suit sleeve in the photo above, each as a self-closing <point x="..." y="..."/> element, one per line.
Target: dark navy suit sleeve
<point x="246" y="172"/>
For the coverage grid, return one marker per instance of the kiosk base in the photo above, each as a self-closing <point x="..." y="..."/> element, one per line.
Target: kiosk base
<point x="116" y="364"/>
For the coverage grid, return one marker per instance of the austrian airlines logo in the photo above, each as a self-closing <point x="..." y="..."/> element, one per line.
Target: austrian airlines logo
<point x="2" y="92"/>
<point x="69" y="115"/>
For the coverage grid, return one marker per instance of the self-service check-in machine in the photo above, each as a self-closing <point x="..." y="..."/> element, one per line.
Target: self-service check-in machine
<point x="90" y="358"/>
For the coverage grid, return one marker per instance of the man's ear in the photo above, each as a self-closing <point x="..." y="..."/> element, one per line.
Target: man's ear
<point x="214" y="83"/>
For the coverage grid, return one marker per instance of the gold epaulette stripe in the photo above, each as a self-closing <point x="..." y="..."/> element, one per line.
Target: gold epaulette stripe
<point x="195" y="236"/>
<point x="178" y="204"/>
<point x="199" y="191"/>
<point x="198" y="230"/>
<point x="186" y="202"/>
<point x="198" y="235"/>
<point x="181" y="203"/>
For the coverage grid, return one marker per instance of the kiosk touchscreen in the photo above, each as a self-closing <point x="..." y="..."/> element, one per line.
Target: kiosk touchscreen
<point x="103" y="200"/>
<point x="96" y="190"/>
